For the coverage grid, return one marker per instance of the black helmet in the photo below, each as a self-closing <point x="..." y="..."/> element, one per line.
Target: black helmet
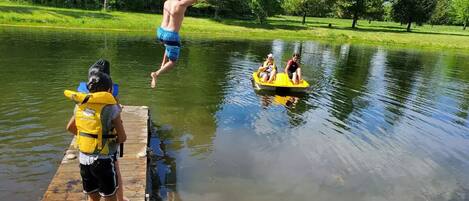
<point x="102" y="66"/>
<point x="99" y="82"/>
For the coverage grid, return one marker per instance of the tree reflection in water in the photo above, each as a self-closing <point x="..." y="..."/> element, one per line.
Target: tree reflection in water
<point x="163" y="179"/>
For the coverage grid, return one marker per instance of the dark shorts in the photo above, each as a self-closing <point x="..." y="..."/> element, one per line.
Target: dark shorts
<point x="101" y="176"/>
<point x="171" y="41"/>
<point x="290" y="74"/>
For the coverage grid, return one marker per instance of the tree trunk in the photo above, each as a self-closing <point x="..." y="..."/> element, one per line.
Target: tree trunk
<point x="354" y="23"/>
<point x="105" y="5"/>
<point x="408" y="26"/>
<point x="259" y="19"/>
<point x="216" y="13"/>
<point x="304" y="18"/>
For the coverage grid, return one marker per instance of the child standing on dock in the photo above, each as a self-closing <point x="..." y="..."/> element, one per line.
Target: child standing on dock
<point x="168" y="34"/>
<point x="95" y="115"/>
<point x="104" y="66"/>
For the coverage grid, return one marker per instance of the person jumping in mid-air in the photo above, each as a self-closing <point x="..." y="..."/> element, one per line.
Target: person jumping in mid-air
<point x="168" y="34"/>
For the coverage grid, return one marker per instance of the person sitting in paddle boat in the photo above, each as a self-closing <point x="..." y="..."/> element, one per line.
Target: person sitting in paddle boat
<point x="268" y="70"/>
<point x="293" y="69"/>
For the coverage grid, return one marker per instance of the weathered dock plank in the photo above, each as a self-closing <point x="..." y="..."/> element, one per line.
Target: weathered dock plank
<point x="66" y="184"/>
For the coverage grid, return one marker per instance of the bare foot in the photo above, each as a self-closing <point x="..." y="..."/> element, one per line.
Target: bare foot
<point x="153" y="80"/>
<point x="125" y="199"/>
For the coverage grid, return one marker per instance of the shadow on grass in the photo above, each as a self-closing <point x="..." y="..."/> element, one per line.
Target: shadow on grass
<point x="77" y="14"/>
<point x="269" y="25"/>
<point x="297" y="22"/>
<point x="388" y="26"/>
<point x="289" y="24"/>
<point x="57" y="13"/>
<point x="391" y="29"/>
<point x="12" y="9"/>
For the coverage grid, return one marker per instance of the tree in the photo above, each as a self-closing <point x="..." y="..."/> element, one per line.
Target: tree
<point x="105" y="5"/>
<point x="461" y="9"/>
<point x="442" y="12"/>
<point x="317" y="8"/>
<point x="371" y="9"/>
<point x="408" y="11"/>
<point x="387" y="11"/>
<point x="262" y="9"/>
<point x="257" y="8"/>
<point x="375" y="10"/>
<point x="226" y="8"/>
<point x="352" y="8"/>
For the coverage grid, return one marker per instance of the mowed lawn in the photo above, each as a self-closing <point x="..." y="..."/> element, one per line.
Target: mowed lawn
<point x="279" y="27"/>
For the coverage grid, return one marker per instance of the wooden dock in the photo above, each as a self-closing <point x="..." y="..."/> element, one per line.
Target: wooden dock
<point x="67" y="185"/>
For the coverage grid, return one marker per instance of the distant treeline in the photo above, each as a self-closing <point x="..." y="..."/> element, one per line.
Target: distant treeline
<point x="451" y="12"/>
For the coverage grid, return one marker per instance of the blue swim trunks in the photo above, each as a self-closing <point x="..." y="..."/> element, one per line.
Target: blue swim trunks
<point x="171" y="41"/>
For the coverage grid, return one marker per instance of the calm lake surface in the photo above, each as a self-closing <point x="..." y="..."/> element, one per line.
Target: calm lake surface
<point x="378" y="124"/>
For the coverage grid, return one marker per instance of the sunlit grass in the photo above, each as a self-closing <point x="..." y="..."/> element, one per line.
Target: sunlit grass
<point x="280" y="27"/>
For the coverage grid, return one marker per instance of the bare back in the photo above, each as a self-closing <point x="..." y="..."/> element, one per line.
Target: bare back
<point x="173" y="14"/>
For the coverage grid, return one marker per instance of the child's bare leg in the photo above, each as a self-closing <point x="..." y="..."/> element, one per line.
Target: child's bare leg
<point x="93" y="196"/>
<point x="264" y="78"/>
<point x="299" y="74"/>
<point x="295" y="78"/>
<point x="272" y="77"/>
<point x="111" y="198"/>
<point x="120" y="190"/>
<point x="154" y="74"/>
<point x="168" y="66"/>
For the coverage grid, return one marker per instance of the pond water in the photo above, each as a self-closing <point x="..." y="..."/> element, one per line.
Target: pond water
<point x="378" y="123"/>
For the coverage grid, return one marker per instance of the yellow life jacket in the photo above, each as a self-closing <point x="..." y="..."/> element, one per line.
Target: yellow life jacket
<point x="266" y="64"/>
<point x="88" y="114"/>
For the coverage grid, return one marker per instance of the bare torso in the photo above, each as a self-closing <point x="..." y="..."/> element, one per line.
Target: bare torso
<point x="173" y="14"/>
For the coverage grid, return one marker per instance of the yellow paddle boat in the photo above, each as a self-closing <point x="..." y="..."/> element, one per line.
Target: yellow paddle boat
<point x="281" y="82"/>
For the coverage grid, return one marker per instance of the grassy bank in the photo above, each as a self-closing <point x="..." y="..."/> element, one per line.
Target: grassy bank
<point x="281" y="27"/>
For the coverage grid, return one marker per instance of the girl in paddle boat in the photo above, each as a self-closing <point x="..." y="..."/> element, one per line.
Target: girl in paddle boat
<point x="293" y="69"/>
<point x="268" y="70"/>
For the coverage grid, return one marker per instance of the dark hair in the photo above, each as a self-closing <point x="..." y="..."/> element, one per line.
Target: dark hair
<point x="102" y="66"/>
<point x="99" y="82"/>
<point x="296" y="54"/>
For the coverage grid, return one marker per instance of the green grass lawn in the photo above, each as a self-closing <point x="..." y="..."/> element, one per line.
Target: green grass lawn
<point x="280" y="27"/>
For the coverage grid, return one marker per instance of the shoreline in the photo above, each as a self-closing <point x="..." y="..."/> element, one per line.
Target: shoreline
<point x="279" y="27"/>
<point x="148" y="33"/>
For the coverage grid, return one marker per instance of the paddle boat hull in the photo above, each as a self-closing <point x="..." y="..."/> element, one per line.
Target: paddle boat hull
<point x="281" y="82"/>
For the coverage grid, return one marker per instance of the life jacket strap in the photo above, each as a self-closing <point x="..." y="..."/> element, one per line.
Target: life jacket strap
<point x="87" y="98"/>
<point x="96" y="136"/>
